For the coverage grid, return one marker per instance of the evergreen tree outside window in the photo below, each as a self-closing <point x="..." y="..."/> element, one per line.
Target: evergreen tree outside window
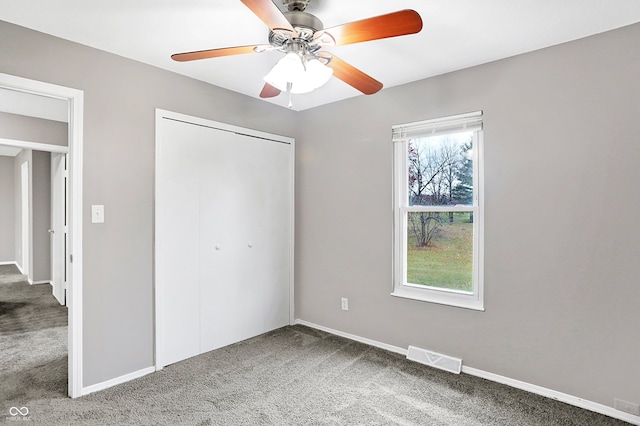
<point x="438" y="210"/>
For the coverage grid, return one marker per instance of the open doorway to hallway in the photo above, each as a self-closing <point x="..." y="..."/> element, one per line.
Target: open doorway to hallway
<point x="71" y="146"/>
<point x="33" y="214"/>
<point x="33" y="312"/>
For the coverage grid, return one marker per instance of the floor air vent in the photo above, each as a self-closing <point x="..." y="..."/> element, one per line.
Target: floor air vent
<point x="433" y="359"/>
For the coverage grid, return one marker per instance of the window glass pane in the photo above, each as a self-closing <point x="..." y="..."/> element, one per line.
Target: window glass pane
<point x="440" y="249"/>
<point x="440" y="170"/>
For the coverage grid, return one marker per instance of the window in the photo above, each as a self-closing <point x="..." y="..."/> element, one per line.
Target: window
<point x="438" y="220"/>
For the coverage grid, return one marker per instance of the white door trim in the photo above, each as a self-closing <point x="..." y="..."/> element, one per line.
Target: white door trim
<point x="36" y="146"/>
<point x="74" y="294"/>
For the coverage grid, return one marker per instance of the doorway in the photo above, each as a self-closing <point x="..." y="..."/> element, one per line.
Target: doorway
<point x="73" y="257"/>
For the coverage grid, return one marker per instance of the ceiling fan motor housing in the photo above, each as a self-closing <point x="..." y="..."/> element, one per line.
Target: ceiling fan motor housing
<point x="305" y="24"/>
<point x="304" y="20"/>
<point x="299" y="5"/>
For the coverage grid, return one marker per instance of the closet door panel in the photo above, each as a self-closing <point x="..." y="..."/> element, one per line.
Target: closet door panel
<point x="245" y="268"/>
<point x="177" y="242"/>
<point x="221" y="202"/>
<point x="269" y="257"/>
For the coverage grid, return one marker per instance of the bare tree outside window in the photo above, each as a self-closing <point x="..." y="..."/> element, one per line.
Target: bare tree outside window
<point x="440" y="173"/>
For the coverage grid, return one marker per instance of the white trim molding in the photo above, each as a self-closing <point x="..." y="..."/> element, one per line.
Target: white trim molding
<point x="36" y="146"/>
<point x="349" y="336"/>
<point x="10" y="262"/>
<point x="518" y="384"/>
<point x="75" y="99"/>
<point x="117" y="381"/>
<point x="558" y="396"/>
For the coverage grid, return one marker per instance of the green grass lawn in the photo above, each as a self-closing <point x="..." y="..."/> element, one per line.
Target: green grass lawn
<point x="448" y="262"/>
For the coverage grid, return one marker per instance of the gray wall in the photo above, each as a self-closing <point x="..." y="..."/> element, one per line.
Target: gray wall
<point x="119" y="114"/>
<point x="41" y="216"/>
<point x="562" y="239"/>
<point x="31" y="129"/>
<point x="7" y="210"/>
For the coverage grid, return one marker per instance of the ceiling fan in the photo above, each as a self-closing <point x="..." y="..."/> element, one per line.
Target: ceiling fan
<point x="301" y="36"/>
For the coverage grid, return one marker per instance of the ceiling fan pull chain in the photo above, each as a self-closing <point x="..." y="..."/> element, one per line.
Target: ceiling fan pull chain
<point x="289" y="85"/>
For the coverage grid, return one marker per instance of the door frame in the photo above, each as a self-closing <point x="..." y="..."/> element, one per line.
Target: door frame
<point x="75" y="99"/>
<point x="165" y="114"/>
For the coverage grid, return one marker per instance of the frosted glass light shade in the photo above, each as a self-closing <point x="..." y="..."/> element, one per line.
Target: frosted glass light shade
<point x="288" y="70"/>
<point x="320" y="73"/>
<point x="291" y="70"/>
<point x="315" y="76"/>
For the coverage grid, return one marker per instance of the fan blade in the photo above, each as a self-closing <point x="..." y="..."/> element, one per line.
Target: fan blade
<point x="352" y="75"/>
<point x="268" y="91"/>
<point x="269" y="13"/>
<point x="212" y="53"/>
<point x="395" y="24"/>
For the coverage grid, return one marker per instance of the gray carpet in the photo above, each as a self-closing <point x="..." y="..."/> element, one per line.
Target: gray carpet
<point x="33" y="341"/>
<point x="291" y="376"/>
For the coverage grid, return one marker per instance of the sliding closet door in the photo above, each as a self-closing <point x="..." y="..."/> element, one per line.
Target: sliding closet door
<point x="223" y="236"/>
<point x="245" y="205"/>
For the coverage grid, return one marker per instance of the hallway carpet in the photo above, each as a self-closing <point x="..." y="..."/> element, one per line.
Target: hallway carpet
<point x="33" y="341"/>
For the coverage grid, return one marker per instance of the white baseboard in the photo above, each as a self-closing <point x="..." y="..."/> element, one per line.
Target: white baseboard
<point x="117" y="381"/>
<point x="364" y="340"/>
<point x="559" y="396"/>
<point x="22" y="272"/>
<point x="39" y="282"/>
<point x="538" y="390"/>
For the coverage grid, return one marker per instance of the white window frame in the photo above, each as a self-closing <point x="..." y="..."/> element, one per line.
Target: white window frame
<point x="401" y="135"/>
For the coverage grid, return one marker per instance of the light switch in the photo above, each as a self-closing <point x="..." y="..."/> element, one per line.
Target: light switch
<point x="97" y="213"/>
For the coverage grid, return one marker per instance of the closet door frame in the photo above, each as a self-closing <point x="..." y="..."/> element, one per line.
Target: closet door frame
<point x="170" y="115"/>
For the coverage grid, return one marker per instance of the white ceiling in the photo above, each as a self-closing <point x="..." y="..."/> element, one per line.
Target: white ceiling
<point x="457" y="34"/>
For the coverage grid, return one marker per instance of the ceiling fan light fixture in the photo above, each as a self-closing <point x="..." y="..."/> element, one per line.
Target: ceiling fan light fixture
<point x="302" y="35"/>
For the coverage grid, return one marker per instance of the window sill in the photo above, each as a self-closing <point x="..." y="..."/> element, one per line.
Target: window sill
<point x="456" y="300"/>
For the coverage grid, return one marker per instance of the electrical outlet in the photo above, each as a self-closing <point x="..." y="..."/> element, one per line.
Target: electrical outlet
<point x="97" y="214"/>
<point x="627" y="407"/>
<point x="345" y="304"/>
